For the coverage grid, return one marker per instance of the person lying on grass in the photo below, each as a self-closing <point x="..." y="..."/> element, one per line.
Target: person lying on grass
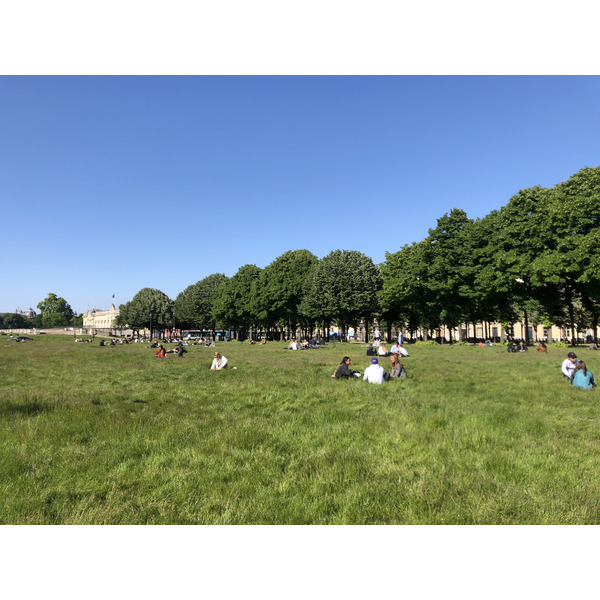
<point x="343" y="370"/>
<point x="219" y="362"/>
<point x="160" y="352"/>
<point x="581" y="377"/>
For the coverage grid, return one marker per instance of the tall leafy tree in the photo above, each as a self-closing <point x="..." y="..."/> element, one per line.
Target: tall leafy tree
<point x="236" y="299"/>
<point x="194" y="306"/>
<point x="149" y="308"/>
<point x="406" y="296"/>
<point x="521" y="236"/>
<point x="570" y="261"/>
<point x="55" y="311"/>
<point x="281" y="288"/>
<point x="342" y="287"/>
<point x="451" y="272"/>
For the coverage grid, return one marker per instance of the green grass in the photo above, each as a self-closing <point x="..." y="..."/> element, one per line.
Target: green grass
<point x="473" y="436"/>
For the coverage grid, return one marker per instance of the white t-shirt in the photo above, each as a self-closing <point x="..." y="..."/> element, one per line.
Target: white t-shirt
<point x="218" y="365"/>
<point x="374" y="374"/>
<point x="568" y="367"/>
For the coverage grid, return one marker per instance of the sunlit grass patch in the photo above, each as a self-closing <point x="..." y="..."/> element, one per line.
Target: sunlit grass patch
<point x="115" y="435"/>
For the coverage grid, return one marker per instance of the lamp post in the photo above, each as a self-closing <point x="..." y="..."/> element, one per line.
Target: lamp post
<point x="150" y="326"/>
<point x="93" y="314"/>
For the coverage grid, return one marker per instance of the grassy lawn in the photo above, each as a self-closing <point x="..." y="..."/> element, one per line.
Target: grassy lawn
<point x="113" y="435"/>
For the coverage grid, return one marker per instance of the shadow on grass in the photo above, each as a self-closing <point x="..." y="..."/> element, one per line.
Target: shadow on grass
<point x="23" y="407"/>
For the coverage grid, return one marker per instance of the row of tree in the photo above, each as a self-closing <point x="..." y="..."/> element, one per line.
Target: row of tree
<point x="295" y="290"/>
<point x="536" y="259"/>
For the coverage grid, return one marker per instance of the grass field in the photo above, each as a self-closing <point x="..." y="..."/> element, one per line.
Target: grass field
<point x="112" y="435"/>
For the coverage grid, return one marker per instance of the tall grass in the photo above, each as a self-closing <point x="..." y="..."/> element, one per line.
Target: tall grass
<point x="113" y="435"/>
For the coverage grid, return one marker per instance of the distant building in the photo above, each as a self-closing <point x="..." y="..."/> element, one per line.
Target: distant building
<point x="28" y="314"/>
<point x="101" y="321"/>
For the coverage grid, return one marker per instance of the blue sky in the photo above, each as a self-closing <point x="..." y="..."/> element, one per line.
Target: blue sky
<point x="112" y="184"/>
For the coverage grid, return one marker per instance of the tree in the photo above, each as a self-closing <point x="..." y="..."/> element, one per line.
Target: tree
<point x="236" y="299"/>
<point x="281" y="285"/>
<point x="14" y="321"/>
<point x="193" y="307"/>
<point x="571" y="262"/>
<point x="55" y="311"/>
<point x="406" y="296"/>
<point x="149" y="308"/>
<point x="522" y="234"/>
<point x="342" y="287"/>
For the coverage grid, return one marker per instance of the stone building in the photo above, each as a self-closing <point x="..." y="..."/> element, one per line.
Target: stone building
<point x="100" y="321"/>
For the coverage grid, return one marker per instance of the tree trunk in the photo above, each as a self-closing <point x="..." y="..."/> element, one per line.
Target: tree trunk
<point x="526" y="320"/>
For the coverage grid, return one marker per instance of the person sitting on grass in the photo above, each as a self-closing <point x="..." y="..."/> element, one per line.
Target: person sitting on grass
<point x="374" y="372"/>
<point x="542" y="347"/>
<point x="511" y="347"/>
<point x="397" y="371"/>
<point x="293" y="345"/>
<point x="581" y="377"/>
<point x="569" y="365"/>
<point x="160" y="351"/>
<point x="219" y="362"/>
<point x="180" y="350"/>
<point x="343" y="370"/>
<point x="521" y="347"/>
<point x="399" y="349"/>
<point x="382" y="350"/>
<point x="263" y="341"/>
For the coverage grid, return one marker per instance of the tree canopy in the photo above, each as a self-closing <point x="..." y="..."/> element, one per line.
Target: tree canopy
<point x="193" y="307"/>
<point x="342" y="287"/>
<point x="55" y="311"/>
<point x="149" y="308"/>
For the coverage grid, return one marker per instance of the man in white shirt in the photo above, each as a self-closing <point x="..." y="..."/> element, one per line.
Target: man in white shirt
<point x="374" y="372"/>
<point x="219" y="362"/>
<point x="569" y="364"/>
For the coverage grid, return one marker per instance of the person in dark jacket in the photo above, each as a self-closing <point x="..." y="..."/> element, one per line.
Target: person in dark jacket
<point x="343" y="370"/>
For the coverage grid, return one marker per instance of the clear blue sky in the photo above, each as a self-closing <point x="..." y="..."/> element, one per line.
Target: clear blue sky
<point x="112" y="184"/>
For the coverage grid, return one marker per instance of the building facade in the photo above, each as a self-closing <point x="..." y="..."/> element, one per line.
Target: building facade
<point x="100" y="322"/>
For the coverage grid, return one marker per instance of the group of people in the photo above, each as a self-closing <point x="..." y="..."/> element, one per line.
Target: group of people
<point x="520" y="347"/>
<point x="381" y="350"/>
<point x="577" y="373"/>
<point x="304" y="344"/>
<point x="161" y="351"/>
<point x="374" y="373"/>
<point x="219" y="362"/>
